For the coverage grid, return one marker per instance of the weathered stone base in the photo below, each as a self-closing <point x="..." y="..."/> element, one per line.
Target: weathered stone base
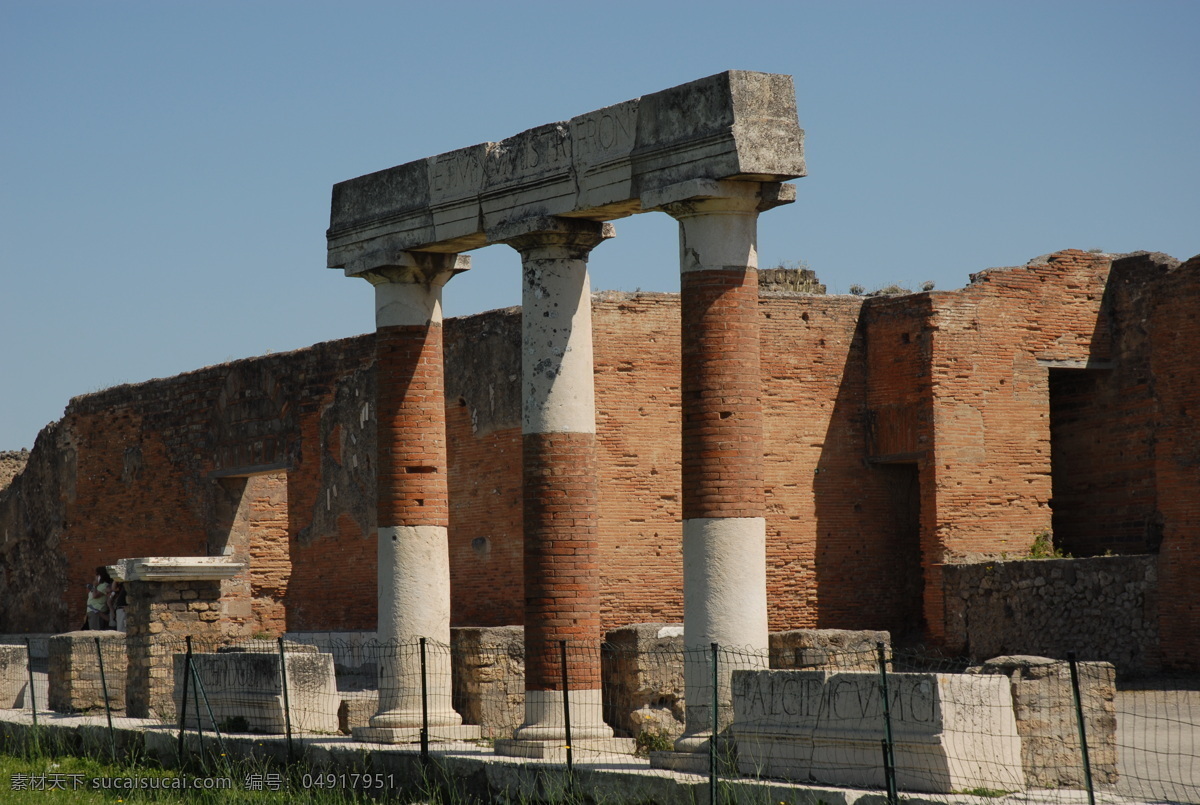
<point x="691" y="762"/>
<point x="941" y="764"/>
<point x="828" y="649"/>
<point x="643" y="677"/>
<point x="14" y="676"/>
<point x="246" y="686"/>
<point x="950" y="732"/>
<point x="74" y="671"/>
<point x="356" y="710"/>
<point x="586" y="750"/>
<point x="1045" y="710"/>
<point x="489" y="677"/>
<point x="412" y="735"/>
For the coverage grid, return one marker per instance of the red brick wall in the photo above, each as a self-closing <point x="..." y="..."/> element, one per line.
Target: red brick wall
<point x="483" y="436"/>
<point x="123" y="499"/>
<point x="636" y="358"/>
<point x="1175" y="372"/>
<point x="141" y="479"/>
<point x="1103" y="425"/>
<point x="486" y="537"/>
<point x="991" y="454"/>
<point x="875" y="412"/>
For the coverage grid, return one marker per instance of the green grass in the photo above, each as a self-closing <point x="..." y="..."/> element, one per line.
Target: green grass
<point x="36" y="776"/>
<point x="986" y="792"/>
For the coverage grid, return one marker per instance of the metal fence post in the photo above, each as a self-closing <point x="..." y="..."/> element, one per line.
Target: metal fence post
<point x="196" y="705"/>
<point x="714" y="721"/>
<point x="424" y="707"/>
<point x="187" y="675"/>
<point x="112" y="736"/>
<point x="287" y="705"/>
<point x="889" y="756"/>
<point x="562" y="645"/>
<point x="32" y="695"/>
<point x="212" y="719"/>
<point x="1083" y="747"/>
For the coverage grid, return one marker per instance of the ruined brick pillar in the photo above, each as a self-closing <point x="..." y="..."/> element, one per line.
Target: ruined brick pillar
<point x="170" y="598"/>
<point x="558" y="422"/>
<point x="412" y="498"/>
<point x="724" y="528"/>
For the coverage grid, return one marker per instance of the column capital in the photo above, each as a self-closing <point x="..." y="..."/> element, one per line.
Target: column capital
<point x="700" y="196"/>
<point x="422" y="268"/>
<point x="408" y="289"/>
<point x="553" y="237"/>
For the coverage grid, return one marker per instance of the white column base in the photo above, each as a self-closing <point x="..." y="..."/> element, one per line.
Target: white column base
<point x="724" y="602"/>
<point x="414" y="602"/>
<point x="412" y="735"/>
<point x="544" y="720"/>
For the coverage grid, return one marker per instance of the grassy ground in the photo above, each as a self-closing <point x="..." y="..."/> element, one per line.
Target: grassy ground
<point x="34" y="776"/>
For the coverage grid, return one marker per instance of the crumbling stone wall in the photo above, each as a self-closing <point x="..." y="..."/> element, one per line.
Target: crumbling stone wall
<point x="76" y="681"/>
<point x="11" y="464"/>
<point x="1103" y="608"/>
<point x="138" y="470"/>
<point x="642" y="666"/>
<point x="1044" y="705"/>
<point x="828" y="649"/>
<point x="489" y="677"/>
<point x="900" y="434"/>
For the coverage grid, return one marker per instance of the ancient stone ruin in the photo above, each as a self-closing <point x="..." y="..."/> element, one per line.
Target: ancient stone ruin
<point x="749" y="454"/>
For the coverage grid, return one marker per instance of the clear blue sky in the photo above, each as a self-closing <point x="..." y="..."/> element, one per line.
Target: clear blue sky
<point x="165" y="167"/>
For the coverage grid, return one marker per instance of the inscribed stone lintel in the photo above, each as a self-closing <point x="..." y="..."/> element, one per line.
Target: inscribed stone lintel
<point x="176" y="568"/>
<point x="735" y="125"/>
<point x="949" y="732"/>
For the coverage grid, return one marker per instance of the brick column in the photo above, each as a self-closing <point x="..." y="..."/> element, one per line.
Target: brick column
<point x="412" y="499"/>
<point x="724" y="528"/>
<point x="558" y="423"/>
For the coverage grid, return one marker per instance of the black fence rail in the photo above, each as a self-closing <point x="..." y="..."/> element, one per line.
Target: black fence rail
<point x="866" y="718"/>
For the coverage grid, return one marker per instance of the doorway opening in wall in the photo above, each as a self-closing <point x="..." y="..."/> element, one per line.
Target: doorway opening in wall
<point x="1101" y="471"/>
<point x="252" y="527"/>
<point x="903" y="483"/>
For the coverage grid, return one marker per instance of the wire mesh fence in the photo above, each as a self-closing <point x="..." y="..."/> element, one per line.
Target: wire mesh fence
<point x="896" y="721"/>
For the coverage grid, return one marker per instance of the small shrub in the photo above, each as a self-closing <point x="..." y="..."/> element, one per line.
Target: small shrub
<point x="857" y="289"/>
<point x="653" y="741"/>
<point x="1043" y="547"/>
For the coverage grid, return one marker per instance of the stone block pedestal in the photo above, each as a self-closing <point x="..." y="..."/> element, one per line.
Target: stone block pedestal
<point x="246" y="682"/>
<point x="14" y="676"/>
<point x="169" y="599"/>
<point x="489" y="677"/>
<point x="1045" y="711"/>
<point x="951" y="732"/>
<point x="74" y="679"/>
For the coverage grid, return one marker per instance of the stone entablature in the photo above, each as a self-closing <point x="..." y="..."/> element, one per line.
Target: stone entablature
<point x="176" y="568"/>
<point x="733" y="125"/>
